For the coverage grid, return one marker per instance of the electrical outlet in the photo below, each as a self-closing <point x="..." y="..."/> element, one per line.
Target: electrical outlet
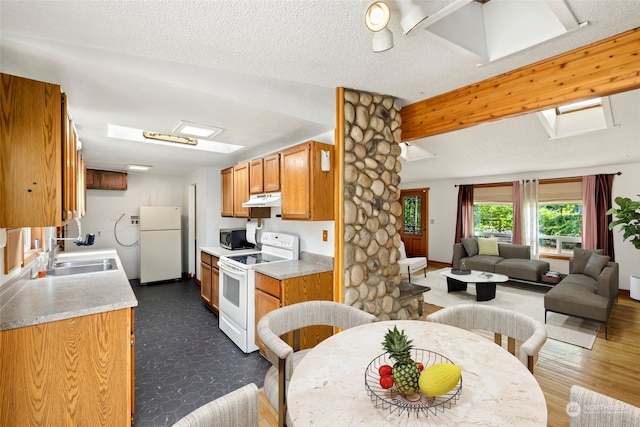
<point x="325" y="235"/>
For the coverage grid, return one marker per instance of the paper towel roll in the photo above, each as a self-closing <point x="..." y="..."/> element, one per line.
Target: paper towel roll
<point x="251" y="232"/>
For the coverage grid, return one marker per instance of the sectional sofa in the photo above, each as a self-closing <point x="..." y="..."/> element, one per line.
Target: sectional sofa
<point x="487" y="254"/>
<point x="589" y="290"/>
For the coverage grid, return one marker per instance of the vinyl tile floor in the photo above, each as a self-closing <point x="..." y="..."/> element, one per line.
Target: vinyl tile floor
<point x="183" y="360"/>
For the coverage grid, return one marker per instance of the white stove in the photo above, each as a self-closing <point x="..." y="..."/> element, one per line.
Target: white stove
<point x="237" y="286"/>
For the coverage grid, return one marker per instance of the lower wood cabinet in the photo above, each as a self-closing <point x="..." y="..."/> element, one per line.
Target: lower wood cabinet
<point x="76" y="371"/>
<point x="273" y="293"/>
<point x="209" y="280"/>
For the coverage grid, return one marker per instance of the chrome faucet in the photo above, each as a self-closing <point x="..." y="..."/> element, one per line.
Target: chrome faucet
<point x="77" y="240"/>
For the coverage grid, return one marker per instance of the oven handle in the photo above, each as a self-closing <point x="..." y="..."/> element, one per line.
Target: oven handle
<point x="231" y="269"/>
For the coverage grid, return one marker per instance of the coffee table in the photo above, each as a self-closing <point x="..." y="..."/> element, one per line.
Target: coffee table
<point x="485" y="282"/>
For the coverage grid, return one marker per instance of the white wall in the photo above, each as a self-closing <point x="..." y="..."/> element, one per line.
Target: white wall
<point x="104" y="208"/>
<point x="443" y="199"/>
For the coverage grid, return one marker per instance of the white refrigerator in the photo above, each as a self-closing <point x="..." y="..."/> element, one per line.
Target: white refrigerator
<point x="160" y="243"/>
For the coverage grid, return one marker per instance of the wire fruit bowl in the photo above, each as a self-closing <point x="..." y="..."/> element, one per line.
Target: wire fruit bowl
<point x="418" y="403"/>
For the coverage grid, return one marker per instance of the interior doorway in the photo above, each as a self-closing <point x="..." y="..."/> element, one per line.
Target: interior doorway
<point x="192" y="232"/>
<point x="415" y="214"/>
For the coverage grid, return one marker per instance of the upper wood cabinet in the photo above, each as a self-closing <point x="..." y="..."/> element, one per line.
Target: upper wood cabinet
<point x="106" y="180"/>
<point x="271" y="173"/>
<point x="30" y="153"/>
<point x="42" y="173"/>
<point x="264" y="174"/>
<point x="307" y="191"/>
<point x="256" y="176"/>
<point x="240" y="189"/>
<point x="226" y="177"/>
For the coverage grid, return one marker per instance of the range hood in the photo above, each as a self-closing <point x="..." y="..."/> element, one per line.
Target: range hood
<point x="263" y="200"/>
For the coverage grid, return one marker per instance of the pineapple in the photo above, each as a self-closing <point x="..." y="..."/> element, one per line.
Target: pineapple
<point x="405" y="370"/>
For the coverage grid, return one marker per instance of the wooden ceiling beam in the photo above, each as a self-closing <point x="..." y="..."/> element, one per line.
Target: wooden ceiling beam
<point x="603" y="68"/>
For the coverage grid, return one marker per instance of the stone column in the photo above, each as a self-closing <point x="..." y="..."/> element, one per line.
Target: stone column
<point x="371" y="205"/>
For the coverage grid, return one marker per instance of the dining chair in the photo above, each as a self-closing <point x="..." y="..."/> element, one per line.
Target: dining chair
<point x="237" y="408"/>
<point x="412" y="264"/>
<point x="284" y="356"/>
<point x="516" y="326"/>
<point x="596" y="410"/>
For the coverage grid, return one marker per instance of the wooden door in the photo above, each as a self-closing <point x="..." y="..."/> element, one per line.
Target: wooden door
<point x="414" y="230"/>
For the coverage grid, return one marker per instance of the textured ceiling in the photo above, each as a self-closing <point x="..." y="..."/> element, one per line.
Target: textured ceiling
<point x="266" y="72"/>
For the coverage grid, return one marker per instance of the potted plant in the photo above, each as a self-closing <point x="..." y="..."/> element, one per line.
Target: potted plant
<point x="628" y="217"/>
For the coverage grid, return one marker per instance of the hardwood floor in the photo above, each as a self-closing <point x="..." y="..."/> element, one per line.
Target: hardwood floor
<point x="610" y="368"/>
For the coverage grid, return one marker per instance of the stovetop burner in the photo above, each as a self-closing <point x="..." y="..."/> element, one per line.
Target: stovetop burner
<point x="257" y="258"/>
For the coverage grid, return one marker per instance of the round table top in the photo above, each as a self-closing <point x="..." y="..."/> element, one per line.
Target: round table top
<point x="328" y="386"/>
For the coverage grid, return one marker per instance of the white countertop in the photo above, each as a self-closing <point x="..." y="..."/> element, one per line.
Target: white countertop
<point x="34" y="301"/>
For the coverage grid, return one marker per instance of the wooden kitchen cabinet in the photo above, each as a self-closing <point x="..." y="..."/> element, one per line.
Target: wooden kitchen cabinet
<point x="273" y="293"/>
<point x="31" y="153"/>
<point x="106" y="180"/>
<point x="209" y="280"/>
<point x="41" y="175"/>
<point x="264" y="174"/>
<point x="240" y="189"/>
<point x="307" y="191"/>
<point x="76" y="371"/>
<point x="256" y="176"/>
<point x="226" y="178"/>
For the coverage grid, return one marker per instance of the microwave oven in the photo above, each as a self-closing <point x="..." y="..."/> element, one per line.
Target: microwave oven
<point x="234" y="238"/>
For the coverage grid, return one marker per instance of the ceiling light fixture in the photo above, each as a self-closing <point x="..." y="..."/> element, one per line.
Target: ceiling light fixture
<point x="412" y="15"/>
<point x="376" y="18"/>
<point x="138" y="167"/>
<point x="195" y="129"/>
<point x="169" y="138"/>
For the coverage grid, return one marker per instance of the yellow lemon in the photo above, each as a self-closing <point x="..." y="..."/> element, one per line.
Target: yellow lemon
<point x="439" y="379"/>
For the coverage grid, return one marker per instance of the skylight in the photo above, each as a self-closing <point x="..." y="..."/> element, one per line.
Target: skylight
<point x="577" y="118"/>
<point x="497" y="28"/>
<point x="195" y="129"/>
<point x="411" y="152"/>
<point x="133" y="134"/>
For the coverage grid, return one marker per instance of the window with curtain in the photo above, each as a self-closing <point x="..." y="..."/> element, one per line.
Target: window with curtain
<point x="560" y="211"/>
<point x="493" y="211"/>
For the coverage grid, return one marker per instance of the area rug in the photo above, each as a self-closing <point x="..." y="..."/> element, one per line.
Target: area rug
<point x="526" y="299"/>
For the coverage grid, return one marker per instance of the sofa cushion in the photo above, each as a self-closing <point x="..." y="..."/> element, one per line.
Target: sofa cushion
<point x="580" y="259"/>
<point x="576" y="299"/>
<point x="483" y="263"/>
<point x="470" y="246"/>
<point x="509" y="250"/>
<point x="595" y="265"/>
<point x="488" y="246"/>
<point x="524" y="269"/>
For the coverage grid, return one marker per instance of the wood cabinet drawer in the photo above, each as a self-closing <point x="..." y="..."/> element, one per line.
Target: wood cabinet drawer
<point x="206" y="258"/>
<point x="268" y="284"/>
<point x="214" y="261"/>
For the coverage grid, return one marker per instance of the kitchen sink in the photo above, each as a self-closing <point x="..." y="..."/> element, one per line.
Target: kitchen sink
<point x="65" y="268"/>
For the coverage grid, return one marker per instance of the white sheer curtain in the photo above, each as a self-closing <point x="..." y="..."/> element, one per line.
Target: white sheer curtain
<point x="529" y="205"/>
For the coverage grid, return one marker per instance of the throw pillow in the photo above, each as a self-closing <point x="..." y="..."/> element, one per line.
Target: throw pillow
<point x="488" y="246"/>
<point x="581" y="257"/>
<point x="470" y="246"/>
<point x="595" y="265"/>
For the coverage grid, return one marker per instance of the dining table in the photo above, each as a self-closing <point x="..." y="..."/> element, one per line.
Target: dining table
<point x="328" y="386"/>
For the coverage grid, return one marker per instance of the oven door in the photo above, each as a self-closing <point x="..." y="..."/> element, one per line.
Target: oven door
<point x="233" y="292"/>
